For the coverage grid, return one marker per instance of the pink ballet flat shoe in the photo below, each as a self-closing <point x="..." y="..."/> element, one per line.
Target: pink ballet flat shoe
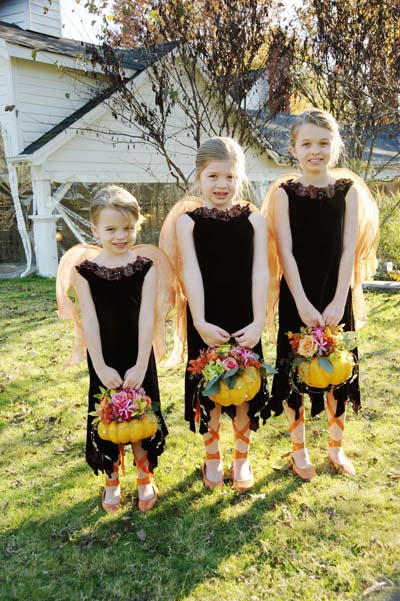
<point x="210" y="483"/>
<point x="344" y="469"/>
<point x="305" y="473"/>
<point x="110" y="507"/>
<point x="148" y="504"/>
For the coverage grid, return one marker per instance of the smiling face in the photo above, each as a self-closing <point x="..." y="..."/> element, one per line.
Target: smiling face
<point x="218" y="184"/>
<point x="116" y="231"/>
<point x="313" y="148"/>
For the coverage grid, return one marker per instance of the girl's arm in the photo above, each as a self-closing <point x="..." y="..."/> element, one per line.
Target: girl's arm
<point x="307" y="312"/>
<point x="210" y="333"/>
<point x="251" y="334"/>
<point x="134" y="376"/>
<point x="109" y="376"/>
<point x="333" y="313"/>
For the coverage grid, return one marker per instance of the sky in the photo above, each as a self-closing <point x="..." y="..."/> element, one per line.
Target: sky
<point x="77" y="22"/>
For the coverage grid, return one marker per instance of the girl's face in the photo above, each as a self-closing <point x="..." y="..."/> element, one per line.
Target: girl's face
<point x="313" y="148"/>
<point x="115" y="230"/>
<point x="218" y="184"/>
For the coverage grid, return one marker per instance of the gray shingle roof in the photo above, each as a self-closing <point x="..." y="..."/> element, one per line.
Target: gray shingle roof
<point x="136" y="59"/>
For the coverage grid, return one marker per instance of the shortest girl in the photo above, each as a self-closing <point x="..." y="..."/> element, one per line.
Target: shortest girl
<point x="116" y="289"/>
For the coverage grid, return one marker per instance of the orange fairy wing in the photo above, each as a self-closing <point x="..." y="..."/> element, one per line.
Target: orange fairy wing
<point x="166" y="290"/>
<point x="168" y="243"/>
<point x="365" y="261"/>
<point x="65" y="284"/>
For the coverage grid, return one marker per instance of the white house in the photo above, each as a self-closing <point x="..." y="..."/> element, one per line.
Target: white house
<point x="51" y="112"/>
<point x="58" y="128"/>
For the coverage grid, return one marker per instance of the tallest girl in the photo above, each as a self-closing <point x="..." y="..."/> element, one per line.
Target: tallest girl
<point x="322" y="230"/>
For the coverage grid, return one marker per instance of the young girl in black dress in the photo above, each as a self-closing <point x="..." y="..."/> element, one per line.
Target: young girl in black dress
<point x="116" y="289"/>
<point x="221" y="248"/>
<point x="322" y="229"/>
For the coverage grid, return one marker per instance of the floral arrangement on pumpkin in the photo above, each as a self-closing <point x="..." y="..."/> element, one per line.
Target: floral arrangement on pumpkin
<point x="322" y="357"/>
<point x="230" y="374"/>
<point x="124" y="415"/>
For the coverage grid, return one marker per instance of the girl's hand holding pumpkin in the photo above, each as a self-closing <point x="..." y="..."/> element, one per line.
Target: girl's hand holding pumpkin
<point x="109" y="377"/>
<point x="211" y="334"/>
<point x="333" y="313"/>
<point x="134" y="377"/>
<point x="309" y="315"/>
<point x="249" y="335"/>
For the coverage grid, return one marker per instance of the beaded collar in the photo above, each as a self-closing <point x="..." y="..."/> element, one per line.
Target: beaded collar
<point x="114" y="273"/>
<point x="314" y="191"/>
<point x="222" y="214"/>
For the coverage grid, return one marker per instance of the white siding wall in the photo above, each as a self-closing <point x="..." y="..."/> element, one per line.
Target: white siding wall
<point x="45" y="96"/>
<point x="4" y="84"/>
<point x="94" y="156"/>
<point x="88" y="157"/>
<point x="14" y="11"/>
<point x="45" y="17"/>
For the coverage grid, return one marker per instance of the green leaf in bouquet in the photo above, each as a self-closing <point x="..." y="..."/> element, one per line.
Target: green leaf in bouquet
<point x="298" y="360"/>
<point x="231" y="382"/>
<point x="212" y="387"/>
<point x="326" y="364"/>
<point x="98" y="396"/>
<point x="229" y="373"/>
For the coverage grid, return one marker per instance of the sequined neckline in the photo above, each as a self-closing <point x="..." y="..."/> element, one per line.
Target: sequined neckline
<point x="312" y="191"/>
<point x="222" y="214"/>
<point x="115" y="273"/>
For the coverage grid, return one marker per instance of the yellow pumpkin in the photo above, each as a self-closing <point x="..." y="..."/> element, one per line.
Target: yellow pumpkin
<point x="132" y="431"/>
<point x="246" y="387"/>
<point x="312" y="374"/>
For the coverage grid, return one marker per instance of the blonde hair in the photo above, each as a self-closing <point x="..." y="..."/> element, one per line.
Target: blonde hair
<point x="114" y="197"/>
<point x="223" y="149"/>
<point x="320" y="118"/>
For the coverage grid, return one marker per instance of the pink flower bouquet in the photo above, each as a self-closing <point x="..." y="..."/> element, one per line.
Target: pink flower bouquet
<point x="124" y="415"/>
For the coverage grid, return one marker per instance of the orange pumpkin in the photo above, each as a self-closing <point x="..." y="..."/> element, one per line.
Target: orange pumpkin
<point x="246" y="387"/>
<point x="312" y="374"/>
<point x="132" y="431"/>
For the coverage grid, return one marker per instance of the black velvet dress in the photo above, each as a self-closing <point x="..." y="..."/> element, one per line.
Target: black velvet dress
<point x="223" y="240"/>
<point x="317" y="223"/>
<point x="117" y="296"/>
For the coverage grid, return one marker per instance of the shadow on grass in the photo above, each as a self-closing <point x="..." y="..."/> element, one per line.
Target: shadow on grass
<point x="173" y="548"/>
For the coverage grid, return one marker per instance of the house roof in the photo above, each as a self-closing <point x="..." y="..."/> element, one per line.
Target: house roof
<point x="135" y="59"/>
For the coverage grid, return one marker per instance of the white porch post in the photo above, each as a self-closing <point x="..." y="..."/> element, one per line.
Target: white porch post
<point x="44" y="228"/>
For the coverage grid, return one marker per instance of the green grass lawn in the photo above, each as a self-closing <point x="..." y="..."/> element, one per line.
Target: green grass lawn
<point x="333" y="538"/>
